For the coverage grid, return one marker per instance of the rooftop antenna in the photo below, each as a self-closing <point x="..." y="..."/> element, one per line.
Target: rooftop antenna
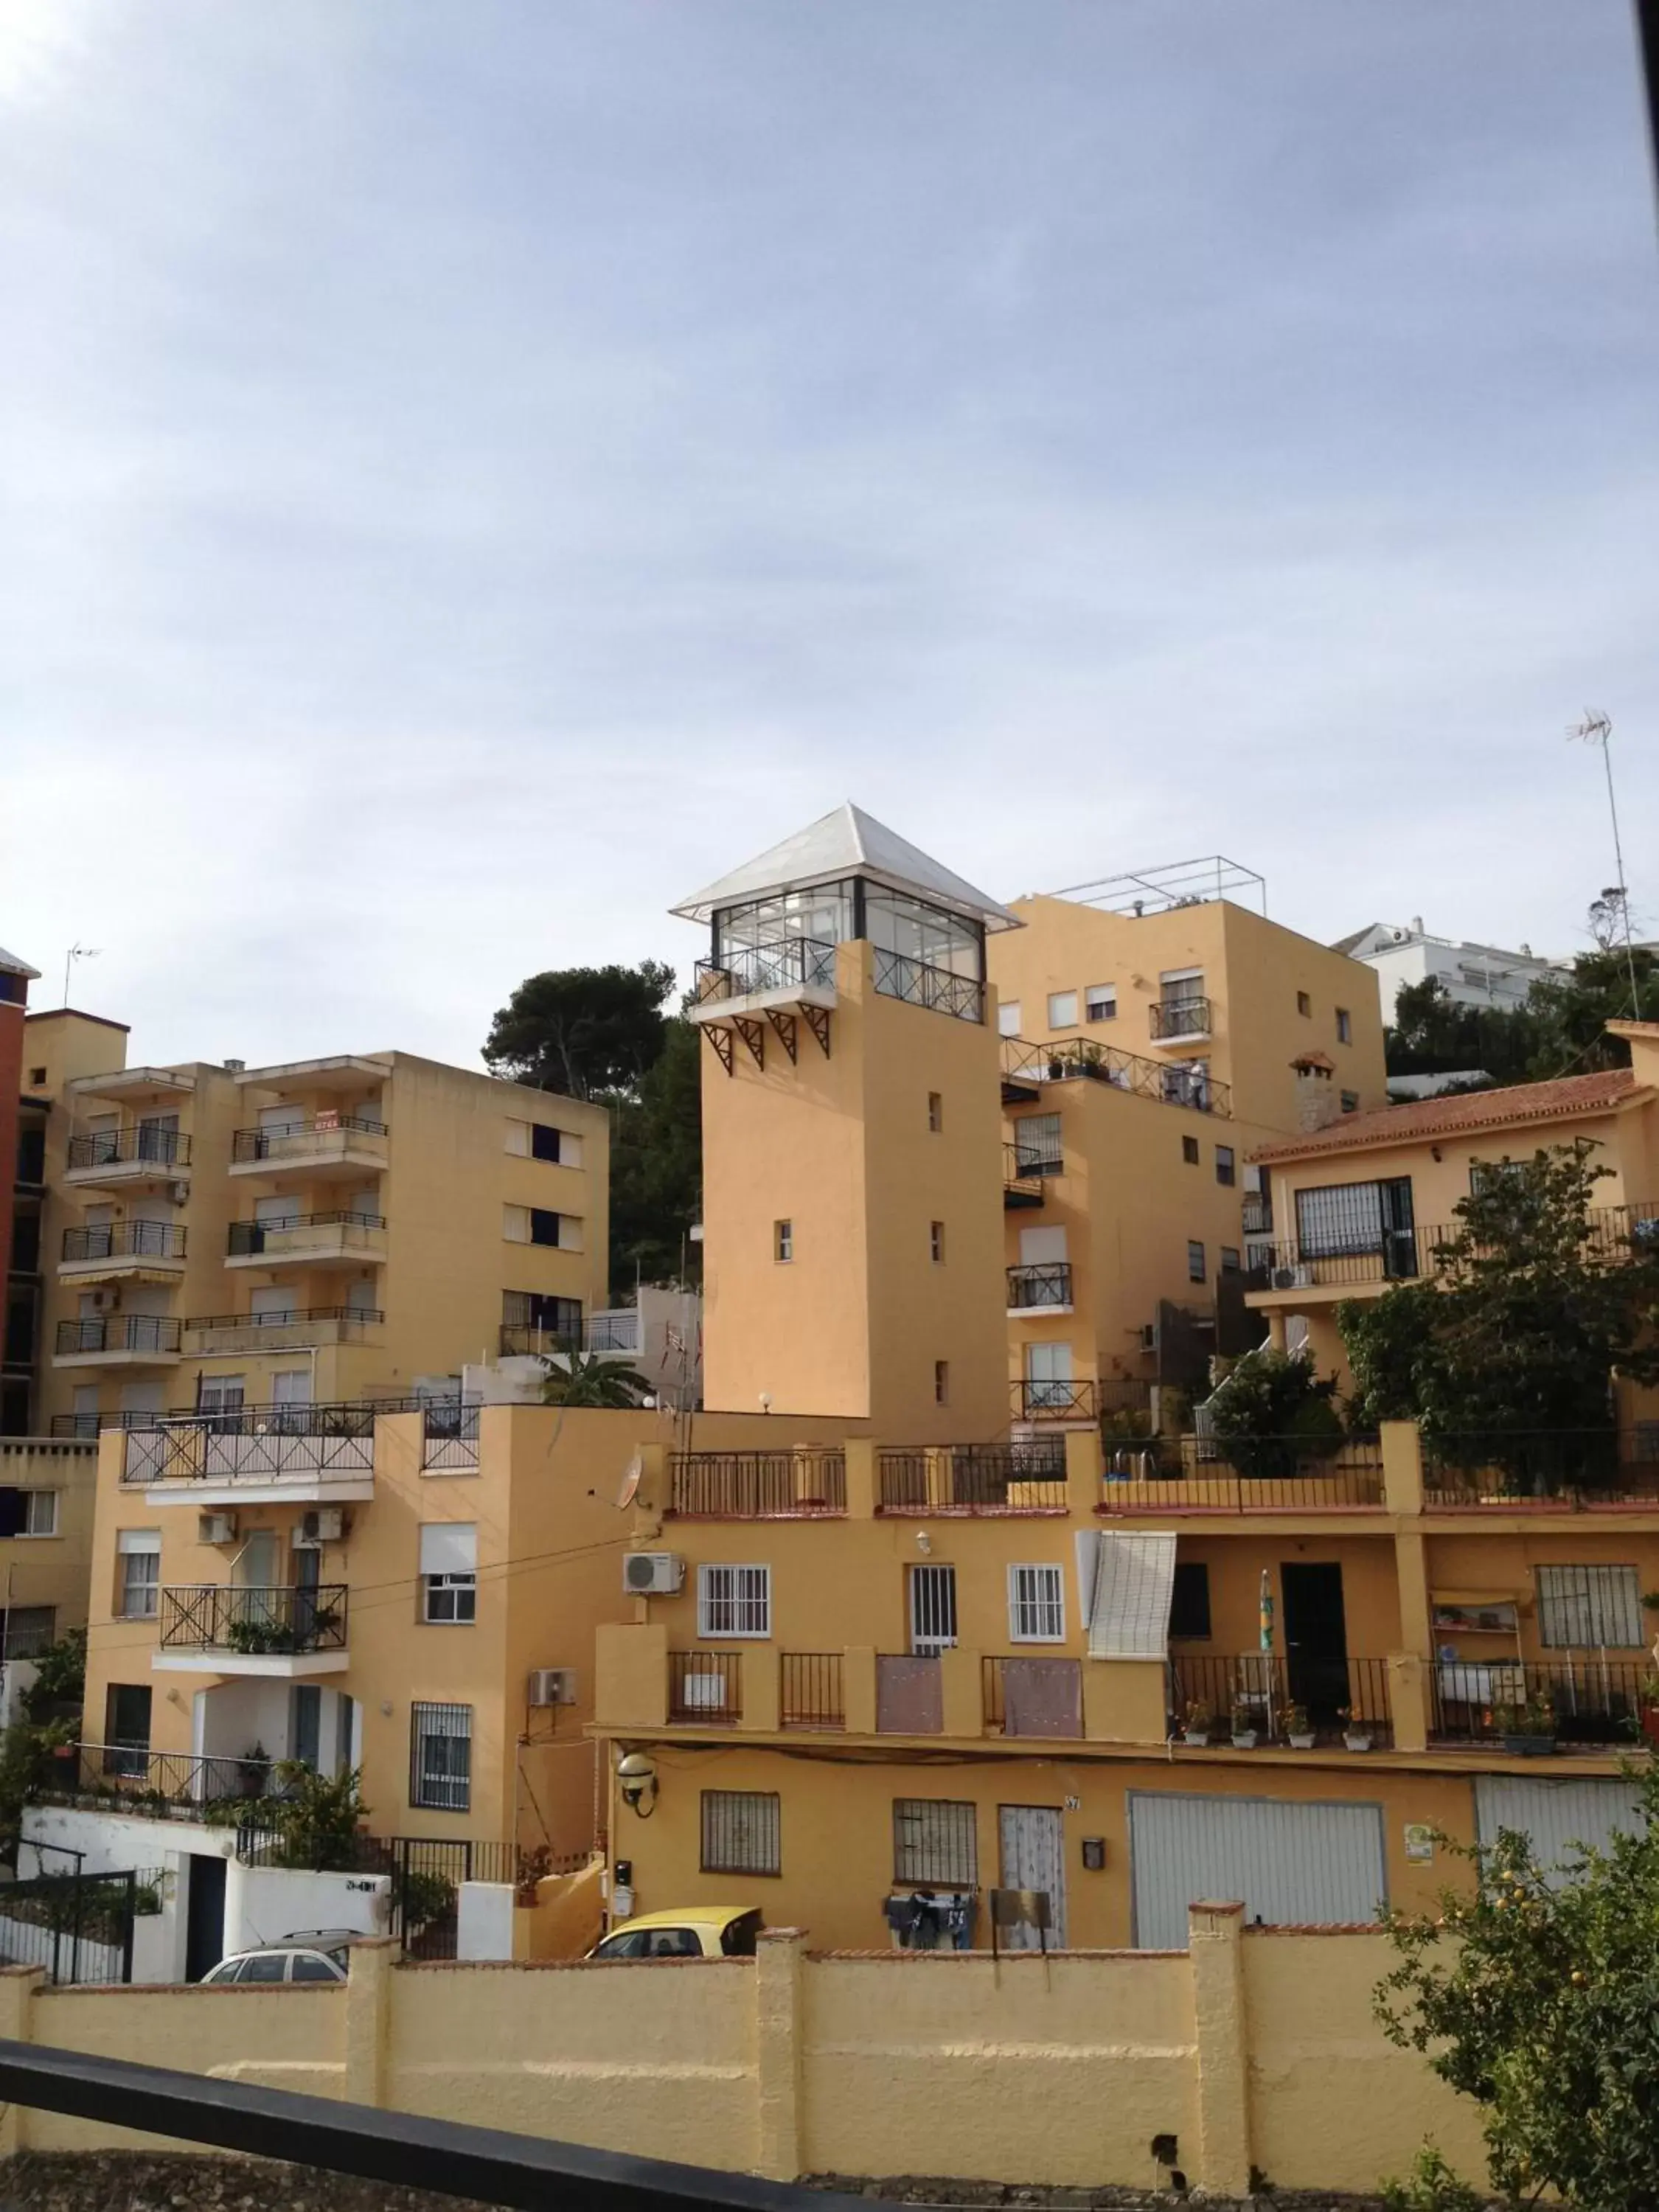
<point x="77" y="952"/>
<point x="1596" y="729"/>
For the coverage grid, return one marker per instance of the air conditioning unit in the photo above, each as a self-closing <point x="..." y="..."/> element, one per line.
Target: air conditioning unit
<point x="215" y="1528"/>
<point x="552" y="1686"/>
<point x="1293" y="1278"/>
<point x="653" y="1574"/>
<point x="325" y="1525"/>
<point x="179" y="1192"/>
<point x="704" y="1694"/>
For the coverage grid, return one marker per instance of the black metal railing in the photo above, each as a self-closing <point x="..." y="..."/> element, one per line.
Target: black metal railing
<point x="941" y="990"/>
<point x="449" y="1435"/>
<point x="157" y="1333"/>
<point x="245" y="1237"/>
<point x="1301" y="1262"/>
<point x="811" y="1692"/>
<point x="301" y="1136"/>
<point x="1572" y="1698"/>
<point x="287" y="1327"/>
<point x="1031" y="1288"/>
<point x="1564" y="1469"/>
<point x="254" y="1443"/>
<point x="1080" y="1058"/>
<point x="1272" y="1474"/>
<point x="133" y="1777"/>
<point x="807" y="1480"/>
<point x="1258" y="1214"/>
<point x="1022" y="1183"/>
<point x="1281" y="1694"/>
<point x="125" y="1240"/>
<point x="1054" y="1401"/>
<point x="788" y="964"/>
<point x="107" y="1148"/>
<point x="1017" y="1478"/>
<point x="253" y="1622"/>
<point x="75" y="1926"/>
<point x="705" y="1686"/>
<point x="1179" y="1017"/>
<point x="1124" y="1394"/>
<point x="88" y="1427"/>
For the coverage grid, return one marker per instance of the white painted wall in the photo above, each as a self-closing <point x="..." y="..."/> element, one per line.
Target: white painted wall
<point x="484" y="1927"/>
<point x="264" y="1904"/>
<point x="115" y="1840"/>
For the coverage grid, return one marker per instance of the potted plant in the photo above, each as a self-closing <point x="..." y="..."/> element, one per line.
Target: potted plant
<point x="1356" y="1733"/>
<point x="1244" y="1728"/>
<point x="253" y="1770"/>
<point x="1647" y="1710"/>
<point x="1528" y="1730"/>
<point x="1200" y="1720"/>
<point x="1297" y="1726"/>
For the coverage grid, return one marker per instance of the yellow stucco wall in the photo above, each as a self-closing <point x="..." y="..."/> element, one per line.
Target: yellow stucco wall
<point x="50" y="1570"/>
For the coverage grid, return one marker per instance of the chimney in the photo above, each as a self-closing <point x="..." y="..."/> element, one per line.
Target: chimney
<point x="1417" y="929"/>
<point x="235" y="1067"/>
<point x="1318" y="1103"/>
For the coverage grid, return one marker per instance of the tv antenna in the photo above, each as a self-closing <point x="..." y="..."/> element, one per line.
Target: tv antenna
<point x="1596" y="729"/>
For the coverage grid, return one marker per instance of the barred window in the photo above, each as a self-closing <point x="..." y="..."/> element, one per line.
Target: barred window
<point x="735" y="1600"/>
<point x="441" y="1757"/>
<point x="934" y="1840"/>
<point x="742" y="1831"/>
<point x="1037" y="1604"/>
<point x="1340" y="1218"/>
<point x="1584" y="1608"/>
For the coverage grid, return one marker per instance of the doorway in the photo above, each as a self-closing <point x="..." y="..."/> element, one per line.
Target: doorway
<point x="204" y="1915"/>
<point x="1033" y="1852"/>
<point x="1315" y="1637"/>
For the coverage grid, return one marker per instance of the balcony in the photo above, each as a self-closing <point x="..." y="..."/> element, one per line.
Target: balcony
<point x="1559" y="1471"/>
<point x="1179" y="1021"/>
<point x="130" y="1778"/>
<point x="616" y="1335"/>
<point x="1022" y="1178"/>
<point x="811" y="1689"/>
<point x="1026" y="1068"/>
<point x="1044" y="1289"/>
<point x="290" y="1455"/>
<point x="114" y="1159"/>
<point x="136" y="1251"/>
<point x="316" y="1145"/>
<point x="752" y="990"/>
<point x="1030" y="1697"/>
<point x="118" y="1340"/>
<point x="1279" y="1476"/>
<point x="706" y="1686"/>
<point x="296" y="1329"/>
<point x="1259" y="1689"/>
<point x="307" y="1239"/>
<point x="806" y="1483"/>
<point x="1572" y="1699"/>
<point x="1280" y="1272"/>
<point x="1055" y="1401"/>
<point x="449" y="1436"/>
<point x="973" y="1479"/>
<point x="289" y="1632"/>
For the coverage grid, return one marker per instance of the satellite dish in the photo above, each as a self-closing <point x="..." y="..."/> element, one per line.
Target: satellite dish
<point x="630" y="1483"/>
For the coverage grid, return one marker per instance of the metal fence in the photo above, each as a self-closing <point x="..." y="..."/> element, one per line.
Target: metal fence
<point x="125" y="1240"/>
<point x="117" y="1332"/>
<point x="1179" y="1017"/>
<point x="302" y="1137"/>
<point x="1081" y="1059"/>
<point x="811" y="1692"/>
<point x="77" y="1926"/>
<point x="1573" y="1698"/>
<point x="104" y="1148"/>
<point x="941" y="990"/>
<point x="758" y="1486"/>
<point x="288" y="1232"/>
<point x="1019" y="1478"/>
<point x="1568" y="1469"/>
<point x="1271" y="1474"/>
<point x="221" y="1617"/>
<point x="449" y="1436"/>
<point x="1281" y="1694"/>
<point x="131" y="1778"/>
<point x="705" y="1686"/>
<point x="1031" y="1288"/>
<point x="1051" y="1401"/>
<point x="786" y="963"/>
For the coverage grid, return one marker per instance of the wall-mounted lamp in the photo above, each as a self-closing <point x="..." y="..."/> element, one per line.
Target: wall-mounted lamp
<point x="636" y="1781"/>
<point x="924" y="1541"/>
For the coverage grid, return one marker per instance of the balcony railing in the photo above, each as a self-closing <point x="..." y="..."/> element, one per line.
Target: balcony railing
<point x="1578" y="1697"/>
<point x="705" y="1686"/>
<point x="254" y="1623"/>
<point x="107" y="1148"/>
<point x="1022" y="1178"/>
<point x="138" y="1333"/>
<point x="1029" y="1289"/>
<point x="1178" y="1017"/>
<point x="1055" y="1402"/>
<point x="125" y="1240"/>
<point x="302" y="1138"/>
<point x="1258" y="1213"/>
<point x="1020" y="1478"/>
<point x="788" y="964"/>
<point x="804" y="1483"/>
<point x="811" y="1694"/>
<point x="290" y="1329"/>
<point x="1560" y="1470"/>
<point x="282" y="1234"/>
<point x="1277" y="1475"/>
<point x="130" y="1777"/>
<point x="940" y="989"/>
<point x="449" y="1436"/>
<point x="88" y="1427"/>
<point x="1027" y="1695"/>
<point x="254" y="1444"/>
<point x="1401" y="1254"/>
<point x="1082" y="1060"/>
<point x="1260" y="1688"/>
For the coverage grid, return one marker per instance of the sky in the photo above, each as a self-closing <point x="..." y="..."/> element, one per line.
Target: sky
<point x="471" y="474"/>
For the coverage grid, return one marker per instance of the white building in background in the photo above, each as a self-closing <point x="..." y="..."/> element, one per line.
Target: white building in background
<point x="1472" y="974"/>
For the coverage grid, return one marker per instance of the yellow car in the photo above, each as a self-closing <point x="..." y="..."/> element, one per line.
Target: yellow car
<point x="698" y="1932"/>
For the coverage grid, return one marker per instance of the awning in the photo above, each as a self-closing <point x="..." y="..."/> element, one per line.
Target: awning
<point x="1134" y="1584"/>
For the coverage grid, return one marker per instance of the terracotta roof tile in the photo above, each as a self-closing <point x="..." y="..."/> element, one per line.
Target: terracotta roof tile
<point x="1475" y="1110"/>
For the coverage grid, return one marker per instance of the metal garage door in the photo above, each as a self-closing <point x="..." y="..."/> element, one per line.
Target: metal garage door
<point x="1554" y="1815"/>
<point x="1290" y="1864"/>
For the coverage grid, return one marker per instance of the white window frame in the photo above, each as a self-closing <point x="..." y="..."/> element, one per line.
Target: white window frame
<point x="1586" y="1601"/>
<point x="1036" y="1601"/>
<point x="783" y="1242"/>
<point x="446" y="1789"/>
<point x="1100" y="1002"/>
<point x="734" y="1603"/>
<point x="1008" y="1018"/>
<point x="1058" y="1018"/>
<point x="1343" y="1026"/>
<point x="451" y="1600"/>
<point x="140" y="1544"/>
<point x="40" y="1505"/>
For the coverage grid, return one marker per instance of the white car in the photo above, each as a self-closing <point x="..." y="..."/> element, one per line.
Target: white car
<point x="320" y="1955"/>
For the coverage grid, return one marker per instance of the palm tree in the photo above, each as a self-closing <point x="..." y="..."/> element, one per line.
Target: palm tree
<point x="594" y="1380"/>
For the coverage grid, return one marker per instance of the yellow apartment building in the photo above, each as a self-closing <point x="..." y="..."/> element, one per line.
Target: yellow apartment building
<point x="48" y="1490"/>
<point x="218" y="1238"/>
<point x="1360" y="1203"/>
<point x="1156" y="1034"/>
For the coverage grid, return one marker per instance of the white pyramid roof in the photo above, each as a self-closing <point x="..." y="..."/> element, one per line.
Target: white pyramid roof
<point x="11" y="965"/>
<point x="847" y="842"/>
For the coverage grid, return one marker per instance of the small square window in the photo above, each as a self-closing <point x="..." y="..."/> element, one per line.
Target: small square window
<point x="741" y="1831"/>
<point x="1190" y="1150"/>
<point x="1008" y="1018"/>
<point x="452" y="1599"/>
<point x="1194" y="1262"/>
<point x="1062" y="1010"/>
<point x="935" y="1112"/>
<point x="39" y="1513"/>
<point x="1351" y="1101"/>
<point x="941" y="1382"/>
<point x="936" y="1242"/>
<point x="1224" y="1170"/>
<point x="37" y="1078"/>
<point x="1230" y="1261"/>
<point x="1344" y="1026"/>
<point x="783" y="1240"/>
<point x="1100" y="1003"/>
<point x="1303" y="1004"/>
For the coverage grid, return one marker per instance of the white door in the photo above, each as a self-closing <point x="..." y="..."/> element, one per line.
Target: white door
<point x="256" y="1574"/>
<point x="1555" y="1815"/>
<point x="220" y="1394"/>
<point x="1048" y="1377"/>
<point x="1299" y="1866"/>
<point x="281" y="1120"/>
<point x="933" y="1608"/>
<point x="1033" y="1849"/>
<point x="272" y="1308"/>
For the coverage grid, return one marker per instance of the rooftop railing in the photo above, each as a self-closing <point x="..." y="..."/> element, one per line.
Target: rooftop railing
<point x="969" y="1478"/>
<point x="788" y="964"/>
<point x="1272" y="1474"/>
<point x="125" y="1240"/>
<point x="941" y="990"/>
<point x="1082" y="1060"/>
<point x="1562" y="1470"/>
<point x="791" y="1485"/>
<point x="139" y="1144"/>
